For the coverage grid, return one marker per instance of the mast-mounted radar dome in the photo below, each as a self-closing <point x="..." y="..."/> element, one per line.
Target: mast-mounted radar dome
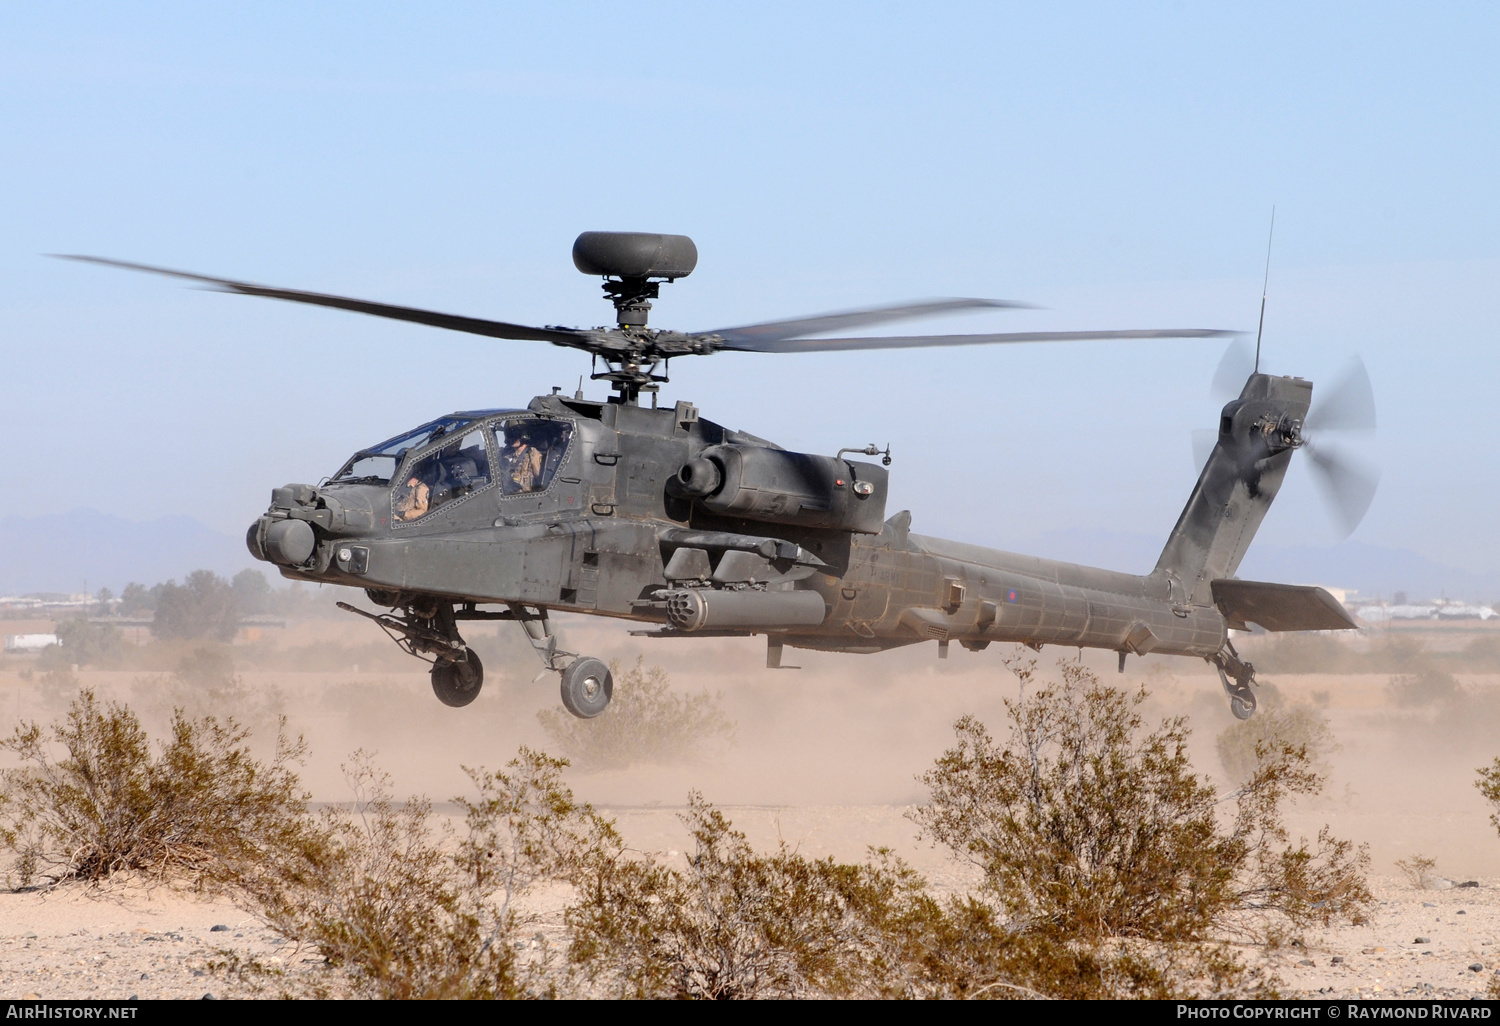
<point x="634" y="265"/>
<point x="635" y="255"/>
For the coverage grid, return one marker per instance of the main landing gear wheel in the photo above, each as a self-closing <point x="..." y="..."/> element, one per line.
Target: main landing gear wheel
<point x="587" y="686"/>
<point x="458" y="684"/>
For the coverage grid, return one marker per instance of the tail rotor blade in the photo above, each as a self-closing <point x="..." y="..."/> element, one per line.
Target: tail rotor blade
<point x="1349" y="404"/>
<point x="1204" y="440"/>
<point x="1237" y="364"/>
<point x="1347" y="485"/>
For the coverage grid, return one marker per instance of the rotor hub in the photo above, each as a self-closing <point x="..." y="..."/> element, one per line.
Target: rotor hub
<point x="1281" y="432"/>
<point x="632" y="298"/>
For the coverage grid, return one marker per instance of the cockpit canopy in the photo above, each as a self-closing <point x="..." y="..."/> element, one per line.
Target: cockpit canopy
<point x="378" y="464"/>
<point x="520" y="452"/>
<point x="530" y="452"/>
<point x="451" y="472"/>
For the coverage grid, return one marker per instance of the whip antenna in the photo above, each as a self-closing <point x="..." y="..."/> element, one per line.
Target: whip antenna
<point x="1266" y="281"/>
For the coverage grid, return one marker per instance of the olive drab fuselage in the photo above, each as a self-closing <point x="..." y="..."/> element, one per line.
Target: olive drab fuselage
<point x="794" y="547"/>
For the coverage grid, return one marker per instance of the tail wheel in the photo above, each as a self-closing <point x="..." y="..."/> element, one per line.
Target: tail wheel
<point x="458" y="684"/>
<point x="1237" y="688"/>
<point x="587" y="686"/>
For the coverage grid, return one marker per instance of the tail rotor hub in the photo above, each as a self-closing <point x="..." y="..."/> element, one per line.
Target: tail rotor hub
<point x="1281" y="432"/>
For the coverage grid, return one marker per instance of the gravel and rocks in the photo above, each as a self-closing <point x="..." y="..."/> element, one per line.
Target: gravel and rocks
<point x="123" y="941"/>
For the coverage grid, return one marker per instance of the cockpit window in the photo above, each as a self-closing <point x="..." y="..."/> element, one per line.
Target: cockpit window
<point x="531" y="450"/>
<point x="377" y="464"/>
<point x="438" y="478"/>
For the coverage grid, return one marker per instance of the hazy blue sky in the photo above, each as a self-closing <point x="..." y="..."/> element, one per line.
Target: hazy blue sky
<point x="1115" y="163"/>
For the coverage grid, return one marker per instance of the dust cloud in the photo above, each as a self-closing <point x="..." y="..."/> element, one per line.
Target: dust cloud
<point x="828" y="756"/>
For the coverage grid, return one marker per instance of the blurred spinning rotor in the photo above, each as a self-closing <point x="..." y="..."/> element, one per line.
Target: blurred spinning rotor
<point x="1342" y="418"/>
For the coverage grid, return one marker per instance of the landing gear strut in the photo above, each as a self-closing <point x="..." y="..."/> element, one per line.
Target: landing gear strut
<point x="1236" y="675"/>
<point x="586" y="685"/>
<point x="429" y="630"/>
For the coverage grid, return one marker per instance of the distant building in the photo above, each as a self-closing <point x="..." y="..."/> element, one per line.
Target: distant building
<point x="41" y="605"/>
<point x="1441" y="609"/>
<point x="1342" y="594"/>
<point x="30" y="642"/>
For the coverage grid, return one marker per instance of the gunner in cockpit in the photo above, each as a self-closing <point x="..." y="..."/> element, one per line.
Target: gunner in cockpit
<point x="413" y="499"/>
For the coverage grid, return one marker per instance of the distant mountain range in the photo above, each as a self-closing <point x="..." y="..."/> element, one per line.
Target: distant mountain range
<point x="61" y="553"/>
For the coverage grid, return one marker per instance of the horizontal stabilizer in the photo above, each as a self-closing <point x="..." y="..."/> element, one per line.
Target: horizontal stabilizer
<point x="1279" y="607"/>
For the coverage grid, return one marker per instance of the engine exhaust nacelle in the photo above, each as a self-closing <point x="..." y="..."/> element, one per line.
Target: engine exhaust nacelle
<point x="782" y="487"/>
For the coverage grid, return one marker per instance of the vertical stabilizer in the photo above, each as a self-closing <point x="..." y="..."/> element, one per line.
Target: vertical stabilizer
<point x="1257" y="434"/>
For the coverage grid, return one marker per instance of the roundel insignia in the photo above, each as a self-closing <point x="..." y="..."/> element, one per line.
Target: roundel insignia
<point x="1012" y="595"/>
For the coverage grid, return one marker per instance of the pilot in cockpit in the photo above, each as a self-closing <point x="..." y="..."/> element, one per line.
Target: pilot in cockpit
<point x="522" y="459"/>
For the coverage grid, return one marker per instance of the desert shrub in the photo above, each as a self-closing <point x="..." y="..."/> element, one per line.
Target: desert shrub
<point x="55" y="687"/>
<point x="410" y="911"/>
<point x="1080" y="823"/>
<point x="1245" y="745"/>
<point x="1443" y="713"/>
<point x="1394" y="652"/>
<point x="736" y="923"/>
<point x="1489" y="786"/>
<point x="646" y="723"/>
<point x="1415" y="867"/>
<point x="966" y="949"/>
<point x="1482" y="655"/>
<point x="1426" y="688"/>
<point x="208" y="667"/>
<point x="1086" y="827"/>
<point x="1317" y="652"/>
<point x="199" y="806"/>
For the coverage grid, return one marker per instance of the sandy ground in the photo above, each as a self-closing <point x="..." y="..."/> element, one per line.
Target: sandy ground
<point x="827" y="758"/>
<point x="121" y="942"/>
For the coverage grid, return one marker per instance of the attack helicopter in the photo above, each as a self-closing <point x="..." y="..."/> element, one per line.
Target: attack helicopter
<point x="662" y="517"/>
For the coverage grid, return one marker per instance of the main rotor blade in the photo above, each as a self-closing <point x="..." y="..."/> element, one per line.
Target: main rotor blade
<point x="820" y="345"/>
<point x="778" y="331"/>
<point x="1349" y="404"/>
<point x="453" y="322"/>
<point x="1348" y="486"/>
